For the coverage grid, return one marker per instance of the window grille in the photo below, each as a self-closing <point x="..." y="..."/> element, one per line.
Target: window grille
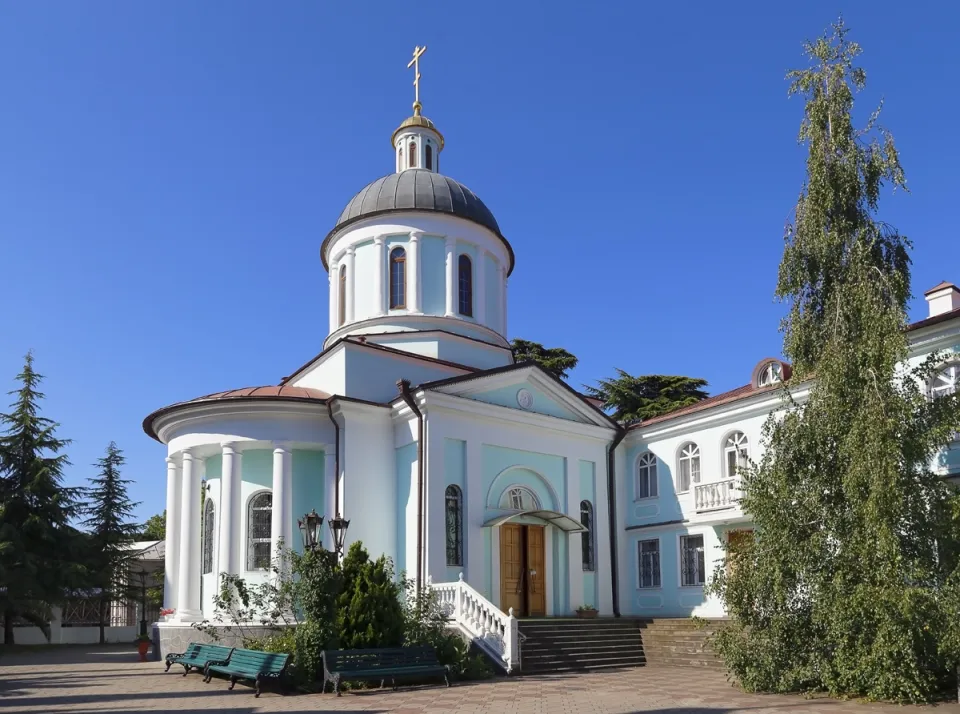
<point x="342" y="296"/>
<point x="519" y="499"/>
<point x="429" y="157"/>
<point x="259" y="517"/>
<point x="691" y="560"/>
<point x="466" y="285"/>
<point x="454" y="499"/>
<point x="398" y="278"/>
<point x="648" y="553"/>
<point x="208" y="531"/>
<point x="586" y="538"/>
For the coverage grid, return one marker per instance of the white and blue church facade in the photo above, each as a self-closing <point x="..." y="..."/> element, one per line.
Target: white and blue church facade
<point x="415" y="424"/>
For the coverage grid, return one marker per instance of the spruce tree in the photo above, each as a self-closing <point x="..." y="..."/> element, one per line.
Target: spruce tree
<point x="109" y="513"/>
<point x="845" y="585"/>
<point x="36" y="542"/>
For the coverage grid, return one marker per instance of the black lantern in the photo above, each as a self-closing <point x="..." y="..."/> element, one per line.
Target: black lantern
<point x="338" y="527"/>
<point x="311" y="529"/>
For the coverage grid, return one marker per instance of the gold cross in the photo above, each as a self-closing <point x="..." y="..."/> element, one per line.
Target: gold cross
<point x="415" y="63"/>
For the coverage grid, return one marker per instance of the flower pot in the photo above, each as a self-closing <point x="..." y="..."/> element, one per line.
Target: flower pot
<point x="586" y="614"/>
<point x="142" y="648"/>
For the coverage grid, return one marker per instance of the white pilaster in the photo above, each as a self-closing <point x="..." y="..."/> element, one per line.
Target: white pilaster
<point x="334" y="295"/>
<point x="329" y="491"/>
<point x="379" y="295"/>
<point x="188" y="591"/>
<point x="451" y="265"/>
<point x="228" y="560"/>
<point x="574" y="540"/>
<point x="413" y="273"/>
<point x="503" y="300"/>
<point x="473" y="531"/>
<point x="281" y="520"/>
<point x="171" y="576"/>
<point x="351" y="263"/>
<point x="480" y="287"/>
<point x="601" y="514"/>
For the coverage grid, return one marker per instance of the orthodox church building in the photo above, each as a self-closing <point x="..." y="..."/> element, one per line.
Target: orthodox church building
<point x="485" y="477"/>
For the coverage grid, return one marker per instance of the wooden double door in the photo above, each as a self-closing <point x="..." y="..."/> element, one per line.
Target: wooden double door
<point x="523" y="584"/>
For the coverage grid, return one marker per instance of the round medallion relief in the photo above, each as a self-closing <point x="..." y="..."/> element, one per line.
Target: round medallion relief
<point x="525" y="399"/>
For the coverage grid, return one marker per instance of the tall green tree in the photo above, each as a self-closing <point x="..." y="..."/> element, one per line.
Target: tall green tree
<point x="847" y="583"/>
<point x="36" y="543"/>
<point x="553" y="359"/>
<point x="156" y="527"/>
<point x="630" y="398"/>
<point x="109" y="520"/>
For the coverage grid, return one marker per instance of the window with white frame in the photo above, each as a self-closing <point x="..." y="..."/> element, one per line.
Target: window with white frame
<point x="946" y="381"/>
<point x="647" y="475"/>
<point x="208" y="531"/>
<point x="648" y="563"/>
<point x="586" y="538"/>
<point x="735" y="453"/>
<point x="518" y="498"/>
<point x="688" y="466"/>
<point x="692" y="567"/>
<point x="771" y="373"/>
<point x="259" y="517"/>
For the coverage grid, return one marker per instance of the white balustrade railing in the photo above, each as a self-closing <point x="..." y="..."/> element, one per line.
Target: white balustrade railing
<point x="497" y="633"/>
<point x="717" y="495"/>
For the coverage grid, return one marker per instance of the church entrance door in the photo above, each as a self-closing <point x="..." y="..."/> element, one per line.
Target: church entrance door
<point x="522" y="570"/>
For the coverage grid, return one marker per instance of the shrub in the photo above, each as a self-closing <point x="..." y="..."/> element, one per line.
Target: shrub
<point x="370" y="612"/>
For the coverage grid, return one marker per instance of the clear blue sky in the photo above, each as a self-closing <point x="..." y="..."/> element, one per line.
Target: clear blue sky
<point x="169" y="169"/>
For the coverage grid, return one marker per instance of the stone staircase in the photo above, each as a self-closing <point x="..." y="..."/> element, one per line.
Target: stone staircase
<point x="672" y="642"/>
<point x="562" y="645"/>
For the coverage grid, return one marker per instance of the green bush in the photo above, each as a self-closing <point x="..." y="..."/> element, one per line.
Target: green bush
<point x="370" y="611"/>
<point x="281" y="642"/>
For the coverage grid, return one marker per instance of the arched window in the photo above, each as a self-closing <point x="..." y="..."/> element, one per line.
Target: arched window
<point x="454" y="499"/>
<point x="342" y="296"/>
<point x="771" y="373"/>
<point x="401" y="158"/>
<point x="518" y="498"/>
<point x="466" y="285"/>
<point x="647" y="476"/>
<point x="413" y="154"/>
<point x="259" y="517"/>
<point x="688" y="466"/>
<point x="398" y="278"/>
<point x="208" y="531"/>
<point x="586" y="538"/>
<point x="735" y="453"/>
<point x="429" y="161"/>
<point x="946" y="381"/>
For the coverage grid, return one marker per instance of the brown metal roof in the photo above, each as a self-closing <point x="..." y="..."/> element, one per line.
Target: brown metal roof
<point x="941" y="286"/>
<point x="935" y="320"/>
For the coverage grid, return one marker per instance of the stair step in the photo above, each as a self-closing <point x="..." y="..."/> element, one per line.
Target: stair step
<point x="554" y="654"/>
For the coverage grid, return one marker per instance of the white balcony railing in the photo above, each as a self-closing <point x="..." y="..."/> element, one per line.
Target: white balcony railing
<point x="481" y="620"/>
<point x="717" y="495"/>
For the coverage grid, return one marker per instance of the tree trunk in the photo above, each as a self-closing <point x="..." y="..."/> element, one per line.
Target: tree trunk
<point x="8" y="627"/>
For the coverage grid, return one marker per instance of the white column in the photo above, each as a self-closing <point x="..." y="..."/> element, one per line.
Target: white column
<point x="188" y="591"/>
<point x="171" y="576"/>
<point x="351" y="281"/>
<point x="379" y="296"/>
<point x="329" y="491"/>
<point x="451" y="251"/>
<point x="503" y="300"/>
<point x="280" y="524"/>
<point x="413" y="274"/>
<point x="480" y="287"/>
<point x="601" y="514"/>
<point x="574" y="544"/>
<point x="334" y="295"/>
<point x="473" y="531"/>
<point x="227" y="561"/>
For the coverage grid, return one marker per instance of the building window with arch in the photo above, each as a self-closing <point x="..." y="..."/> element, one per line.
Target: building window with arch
<point x="454" y="501"/>
<point x="586" y="538"/>
<point x="647" y="476"/>
<point x="401" y="157"/>
<point x="398" y="278"/>
<point x="413" y="154"/>
<point x="342" y="296"/>
<point x="688" y="466"/>
<point x="208" y="531"/>
<point x="518" y="498"/>
<point x="259" y="518"/>
<point x="735" y="453"/>
<point x="465" y="267"/>
<point x="946" y="381"/>
<point x="429" y="160"/>
<point x="771" y="373"/>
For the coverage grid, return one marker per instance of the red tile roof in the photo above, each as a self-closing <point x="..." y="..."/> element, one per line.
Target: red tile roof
<point x="941" y="286"/>
<point x="723" y="398"/>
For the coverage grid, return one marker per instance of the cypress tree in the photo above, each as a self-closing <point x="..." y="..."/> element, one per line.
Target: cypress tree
<point x="36" y="541"/>
<point x="845" y="586"/>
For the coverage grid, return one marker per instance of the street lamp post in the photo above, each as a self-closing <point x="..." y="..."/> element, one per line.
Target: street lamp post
<point x="142" y="574"/>
<point x="310" y="529"/>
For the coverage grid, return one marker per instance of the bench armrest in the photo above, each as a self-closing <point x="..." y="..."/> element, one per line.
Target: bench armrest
<point x="172" y="655"/>
<point x="218" y="662"/>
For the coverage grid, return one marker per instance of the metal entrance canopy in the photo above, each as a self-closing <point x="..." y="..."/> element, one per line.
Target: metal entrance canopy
<point x="553" y="518"/>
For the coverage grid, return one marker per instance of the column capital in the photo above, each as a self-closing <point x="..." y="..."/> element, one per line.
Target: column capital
<point x="229" y="446"/>
<point x="415" y="236"/>
<point x="281" y="446"/>
<point x="379" y="238"/>
<point x="350" y="251"/>
<point x="187" y="455"/>
<point x="171" y="461"/>
<point x="451" y="242"/>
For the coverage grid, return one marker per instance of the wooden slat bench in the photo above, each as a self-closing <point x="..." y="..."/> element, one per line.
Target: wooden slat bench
<point x="198" y="656"/>
<point x="382" y="664"/>
<point x="251" y="665"/>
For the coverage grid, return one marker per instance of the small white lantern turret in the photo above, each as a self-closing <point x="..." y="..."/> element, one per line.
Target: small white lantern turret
<point x="416" y="142"/>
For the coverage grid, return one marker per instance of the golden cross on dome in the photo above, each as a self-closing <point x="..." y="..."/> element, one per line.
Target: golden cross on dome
<point x="415" y="63"/>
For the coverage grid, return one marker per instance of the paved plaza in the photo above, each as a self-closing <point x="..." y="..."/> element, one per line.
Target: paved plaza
<point x="95" y="680"/>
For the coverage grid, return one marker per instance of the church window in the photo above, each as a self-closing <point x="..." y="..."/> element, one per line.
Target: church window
<point x="342" y="296"/>
<point x="398" y="278"/>
<point x="518" y="498"/>
<point x="466" y="285"/>
<point x="648" y="553"/>
<point x="771" y="373"/>
<point x="586" y="538"/>
<point x="401" y="157"/>
<point x="429" y="161"/>
<point x="413" y="154"/>
<point x="946" y="381"/>
<point x="454" y="500"/>
<point x="647" y="476"/>
<point x="688" y="466"/>
<point x="735" y="453"/>
<point x="208" y="531"/>
<point x="259" y="518"/>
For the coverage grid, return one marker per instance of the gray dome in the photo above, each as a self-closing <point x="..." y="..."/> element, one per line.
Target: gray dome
<point x="417" y="190"/>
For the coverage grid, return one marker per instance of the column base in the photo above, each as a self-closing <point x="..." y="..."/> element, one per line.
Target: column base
<point x="185" y="617"/>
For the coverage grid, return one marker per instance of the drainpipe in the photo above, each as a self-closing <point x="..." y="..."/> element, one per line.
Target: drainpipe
<point x="404" y="386"/>
<point x="336" y="460"/>
<point x="612" y="517"/>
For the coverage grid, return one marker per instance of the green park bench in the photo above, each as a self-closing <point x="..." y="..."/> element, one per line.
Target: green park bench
<point x="382" y="664"/>
<point x="251" y="665"/>
<point x="198" y="657"/>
